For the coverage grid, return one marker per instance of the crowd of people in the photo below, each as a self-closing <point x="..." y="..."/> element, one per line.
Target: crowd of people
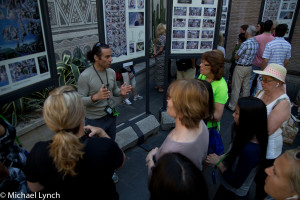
<point x="81" y="159"/>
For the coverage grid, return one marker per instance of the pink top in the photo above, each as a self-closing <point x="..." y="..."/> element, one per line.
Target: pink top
<point x="262" y="40"/>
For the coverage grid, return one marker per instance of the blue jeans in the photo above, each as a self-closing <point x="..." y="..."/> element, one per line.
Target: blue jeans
<point x="107" y="123"/>
<point x="252" y="77"/>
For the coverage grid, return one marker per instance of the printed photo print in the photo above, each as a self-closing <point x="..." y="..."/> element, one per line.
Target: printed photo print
<point x="43" y="66"/>
<point x="22" y="70"/>
<point x="210" y="12"/>
<point x="180" y="11"/>
<point x="206" y="45"/>
<point x="178" y="22"/>
<point x="211" y="2"/>
<point x="195" y="11"/>
<point x="192" y="45"/>
<point x="178" y="45"/>
<point x="178" y="33"/>
<point x="136" y="18"/>
<point x="185" y="1"/>
<point x="3" y="76"/>
<point x="194" y="23"/>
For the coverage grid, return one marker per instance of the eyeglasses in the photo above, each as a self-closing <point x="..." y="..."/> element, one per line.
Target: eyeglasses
<point x="205" y="64"/>
<point x="297" y="155"/>
<point x="265" y="80"/>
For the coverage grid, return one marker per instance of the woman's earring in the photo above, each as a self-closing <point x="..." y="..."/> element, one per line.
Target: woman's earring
<point x="277" y="84"/>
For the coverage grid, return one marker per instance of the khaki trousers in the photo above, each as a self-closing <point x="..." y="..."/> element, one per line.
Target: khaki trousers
<point x="240" y="80"/>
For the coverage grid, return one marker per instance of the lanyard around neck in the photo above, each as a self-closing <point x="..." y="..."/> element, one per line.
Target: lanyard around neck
<point x="101" y="78"/>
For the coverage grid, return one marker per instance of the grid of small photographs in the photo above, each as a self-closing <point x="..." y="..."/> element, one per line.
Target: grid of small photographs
<point x="125" y="28"/>
<point x="224" y="16"/>
<point x="281" y="10"/>
<point x="193" y="25"/>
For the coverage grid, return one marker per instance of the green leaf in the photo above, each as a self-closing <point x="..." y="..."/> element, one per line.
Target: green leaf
<point x="14" y="119"/>
<point x="61" y="80"/>
<point x="66" y="58"/>
<point x="76" y="72"/>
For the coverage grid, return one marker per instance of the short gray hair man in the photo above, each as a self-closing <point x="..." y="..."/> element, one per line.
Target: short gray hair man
<point x="251" y="30"/>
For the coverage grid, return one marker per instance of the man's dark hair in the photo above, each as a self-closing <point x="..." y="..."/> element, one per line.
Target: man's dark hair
<point x="268" y="25"/>
<point x="242" y="37"/>
<point x="97" y="49"/>
<point x="281" y="30"/>
<point x="244" y="27"/>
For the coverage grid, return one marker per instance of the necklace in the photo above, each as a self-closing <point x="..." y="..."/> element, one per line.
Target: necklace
<point x="100" y="77"/>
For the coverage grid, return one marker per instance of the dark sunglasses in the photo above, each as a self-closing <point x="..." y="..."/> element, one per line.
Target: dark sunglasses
<point x="101" y="44"/>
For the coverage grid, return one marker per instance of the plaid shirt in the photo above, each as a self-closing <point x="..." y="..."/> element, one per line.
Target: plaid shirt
<point x="247" y="52"/>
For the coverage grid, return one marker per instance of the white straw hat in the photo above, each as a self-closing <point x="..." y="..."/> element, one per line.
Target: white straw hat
<point x="273" y="70"/>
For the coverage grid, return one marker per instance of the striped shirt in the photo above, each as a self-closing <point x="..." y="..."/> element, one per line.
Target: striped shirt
<point x="277" y="51"/>
<point x="247" y="52"/>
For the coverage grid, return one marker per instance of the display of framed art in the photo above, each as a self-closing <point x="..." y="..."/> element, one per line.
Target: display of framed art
<point x="193" y="25"/>
<point x="27" y="61"/>
<point x="124" y="28"/>
<point x="225" y="16"/>
<point x="284" y="11"/>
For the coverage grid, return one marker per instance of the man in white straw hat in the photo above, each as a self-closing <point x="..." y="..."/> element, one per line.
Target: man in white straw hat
<point x="278" y="110"/>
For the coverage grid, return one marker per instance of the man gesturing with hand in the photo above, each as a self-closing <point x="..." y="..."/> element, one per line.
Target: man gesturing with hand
<point x="96" y="84"/>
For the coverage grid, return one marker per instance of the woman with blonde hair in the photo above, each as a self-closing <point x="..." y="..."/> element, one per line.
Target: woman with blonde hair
<point x="283" y="180"/>
<point x="159" y="55"/>
<point x="188" y="105"/>
<point x="73" y="164"/>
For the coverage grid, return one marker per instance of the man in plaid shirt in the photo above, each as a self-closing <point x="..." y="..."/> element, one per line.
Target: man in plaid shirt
<point x="242" y="72"/>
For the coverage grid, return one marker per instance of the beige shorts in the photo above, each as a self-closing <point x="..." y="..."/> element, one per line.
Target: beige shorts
<point x="129" y="78"/>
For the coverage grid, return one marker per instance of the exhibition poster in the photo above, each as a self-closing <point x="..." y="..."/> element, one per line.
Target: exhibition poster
<point x="23" y="52"/>
<point x="124" y="23"/>
<point x="224" y="16"/>
<point x="193" y="25"/>
<point x="281" y="10"/>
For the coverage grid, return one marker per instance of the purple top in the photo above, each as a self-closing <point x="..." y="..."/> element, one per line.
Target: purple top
<point x="196" y="151"/>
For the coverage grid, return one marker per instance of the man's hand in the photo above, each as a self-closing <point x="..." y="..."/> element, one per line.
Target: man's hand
<point x="103" y="93"/>
<point x="96" y="131"/>
<point x="124" y="90"/>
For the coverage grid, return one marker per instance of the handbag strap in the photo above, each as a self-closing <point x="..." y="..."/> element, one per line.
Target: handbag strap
<point x="278" y="101"/>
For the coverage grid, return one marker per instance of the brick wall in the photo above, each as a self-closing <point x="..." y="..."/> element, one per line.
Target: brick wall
<point x="247" y="12"/>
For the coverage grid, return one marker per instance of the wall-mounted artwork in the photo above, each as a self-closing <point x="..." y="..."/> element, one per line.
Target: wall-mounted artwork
<point x="24" y="59"/>
<point x="193" y="26"/>
<point x="283" y="11"/>
<point x="124" y="24"/>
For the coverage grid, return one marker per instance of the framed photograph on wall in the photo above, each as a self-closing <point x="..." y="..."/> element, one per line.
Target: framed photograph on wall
<point x="193" y="26"/>
<point x="283" y="11"/>
<point x="27" y="62"/>
<point x="123" y="25"/>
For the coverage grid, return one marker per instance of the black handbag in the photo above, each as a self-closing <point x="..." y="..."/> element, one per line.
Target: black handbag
<point x="184" y="64"/>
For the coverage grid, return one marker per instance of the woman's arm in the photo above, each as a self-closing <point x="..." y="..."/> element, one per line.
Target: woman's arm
<point x="161" y="49"/>
<point x="35" y="186"/>
<point x="219" y="108"/>
<point x="278" y="115"/>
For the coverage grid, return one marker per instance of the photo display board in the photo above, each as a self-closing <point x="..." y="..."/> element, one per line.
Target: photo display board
<point x="284" y="11"/>
<point x="124" y="27"/>
<point x="224" y="16"/>
<point x="194" y="23"/>
<point x="24" y="47"/>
